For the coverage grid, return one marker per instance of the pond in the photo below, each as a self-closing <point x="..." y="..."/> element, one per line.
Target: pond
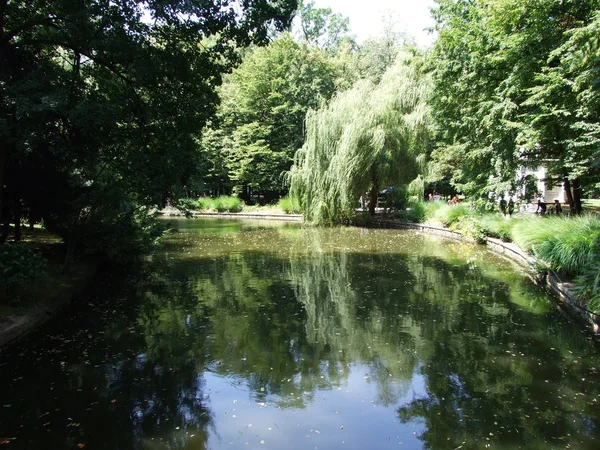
<point x="256" y="335"/>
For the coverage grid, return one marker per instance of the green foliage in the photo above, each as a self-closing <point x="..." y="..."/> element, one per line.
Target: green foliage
<point x="20" y="264"/>
<point x="485" y="206"/>
<point x="261" y="118"/>
<point x="567" y="244"/>
<point x="187" y="204"/>
<point x="366" y="138"/>
<point x="503" y="98"/>
<point x="498" y="226"/>
<point x="447" y="214"/>
<point x="322" y="28"/>
<point x="588" y="284"/>
<point x="289" y="204"/>
<point x="415" y="212"/>
<point x="100" y="107"/>
<point x="222" y="203"/>
<point x="470" y="227"/>
<point x="121" y="236"/>
<point x="228" y="203"/>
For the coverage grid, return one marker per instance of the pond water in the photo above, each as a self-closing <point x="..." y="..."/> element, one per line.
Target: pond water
<point x="251" y="335"/>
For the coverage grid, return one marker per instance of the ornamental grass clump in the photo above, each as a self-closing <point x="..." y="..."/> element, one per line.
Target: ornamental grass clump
<point x="290" y="205"/>
<point x="226" y="203"/>
<point x="204" y="204"/>
<point x="449" y="214"/>
<point x="498" y="226"/>
<point x="566" y="244"/>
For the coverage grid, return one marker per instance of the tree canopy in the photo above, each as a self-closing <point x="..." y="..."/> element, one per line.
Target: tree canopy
<point x="100" y="101"/>
<point x="366" y="138"/>
<point x="513" y="88"/>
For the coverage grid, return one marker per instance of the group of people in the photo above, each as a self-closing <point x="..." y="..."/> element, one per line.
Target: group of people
<point x="542" y="207"/>
<point x="507" y="207"/>
<point x="436" y="197"/>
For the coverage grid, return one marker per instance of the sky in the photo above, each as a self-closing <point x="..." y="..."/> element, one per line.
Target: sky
<point x="366" y="17"/>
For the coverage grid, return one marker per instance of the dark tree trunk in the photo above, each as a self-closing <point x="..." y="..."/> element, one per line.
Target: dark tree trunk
<point x="373" y="200"/>
<point x="4" y="229"/>
<point x="17" y="217"/>
<point x="577" y="196"/>
<point x="3" y="161"/>
<point x="569" y="195"/>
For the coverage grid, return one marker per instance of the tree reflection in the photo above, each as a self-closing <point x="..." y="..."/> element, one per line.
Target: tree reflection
<point x="288" y="313"/>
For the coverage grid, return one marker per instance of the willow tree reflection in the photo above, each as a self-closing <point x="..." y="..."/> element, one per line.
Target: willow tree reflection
<point x="290" y="313"/>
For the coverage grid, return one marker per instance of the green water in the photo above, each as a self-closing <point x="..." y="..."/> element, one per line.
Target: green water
<point x="251" y="335"/>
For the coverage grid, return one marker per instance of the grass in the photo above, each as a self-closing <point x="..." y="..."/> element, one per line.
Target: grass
<point x="232" y="204"/>
<point x="565" y="243"/>
<point x="291" y="205"/>
<point x="224" y="203"/>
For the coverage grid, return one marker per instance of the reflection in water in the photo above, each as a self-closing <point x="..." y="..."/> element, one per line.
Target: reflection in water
<point x="246" y="334"/>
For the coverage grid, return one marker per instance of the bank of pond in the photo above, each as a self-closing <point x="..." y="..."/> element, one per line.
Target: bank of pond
<point x="255" y="334"/>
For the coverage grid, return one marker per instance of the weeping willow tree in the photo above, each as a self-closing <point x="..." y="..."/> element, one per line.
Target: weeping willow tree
<point x="365" y="139"/>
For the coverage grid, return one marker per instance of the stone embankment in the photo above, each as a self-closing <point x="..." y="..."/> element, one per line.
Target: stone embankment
<point x="567" y="299"/>
<point x="174" y="212"/>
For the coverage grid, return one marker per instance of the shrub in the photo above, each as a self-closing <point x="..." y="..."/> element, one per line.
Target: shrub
<point x="19" y="263"/>
<point x="567" y="244"/>
<point x="498" y="226"/>
<point x="186" y="203"/>
<point x="431" y="209"/>
<point x="469" y="226"/>
<point x="228" y="203"/>
<point x="290" y="205"/>
<point x="204" y="204"/>
<point x="485" y="206"/>
<point x="416" y="212"/>
<point x="122" y="237"/>
<point x="449" y="214"/>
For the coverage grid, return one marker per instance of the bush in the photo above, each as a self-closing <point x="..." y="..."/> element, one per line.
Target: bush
<point x="204" y="204"/>
<point x="187" y="203"/>
<point x="567" y="244"/>
<point x="227" y="204"/>
<point x="498" y="226"/>
<point x="19" y="264"/>
<point x="416" y="212"/>
<point x="485" y="206"/>
<point x="290" y="205"/>
<point x="220" y="204"/>
<point x="449" y="214"/>
<point x="469" y="226"/>
<point x="122" y="237"/>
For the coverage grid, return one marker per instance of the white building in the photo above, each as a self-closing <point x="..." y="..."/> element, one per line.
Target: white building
<point x="546" y="191"/>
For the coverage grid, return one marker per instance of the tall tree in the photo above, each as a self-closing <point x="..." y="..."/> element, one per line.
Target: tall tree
<point x="264" y="102"/>
<point x="108" y="100"/>
<point x="364" y="139"/>
<point x="321" y="27"/>
<point x="502" y="98"/>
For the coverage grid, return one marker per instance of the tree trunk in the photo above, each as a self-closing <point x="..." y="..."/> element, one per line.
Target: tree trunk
<point x="373" y="200"/>
<point x="3" y="161"/>
<point x="577" y="196"/>
<point x="569" y="195"/>
<point x="17" y="217"/>
<point x="4" y="229"/>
